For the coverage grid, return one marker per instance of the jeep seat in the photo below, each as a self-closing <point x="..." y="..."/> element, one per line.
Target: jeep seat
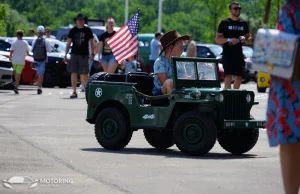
<point x="144" y="83"/>
<point x="113" y="77"/>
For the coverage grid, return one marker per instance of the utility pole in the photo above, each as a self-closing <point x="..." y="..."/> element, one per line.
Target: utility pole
<point x="126" y="11"/>
<point x="159" y="15"/>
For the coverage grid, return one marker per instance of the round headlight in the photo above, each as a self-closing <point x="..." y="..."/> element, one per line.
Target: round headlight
<point x="220" y="98"/>
<point x="248" y="98"/>
<point x="262" y="79"/>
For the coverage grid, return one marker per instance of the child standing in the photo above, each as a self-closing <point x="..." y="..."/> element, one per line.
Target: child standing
<point x="18" y="51"/>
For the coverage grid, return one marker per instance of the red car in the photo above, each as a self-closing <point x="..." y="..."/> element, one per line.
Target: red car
<point x="29" y="75"/>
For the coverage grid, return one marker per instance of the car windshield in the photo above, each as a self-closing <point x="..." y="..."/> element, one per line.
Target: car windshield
<point x="248" y="52"/>
<point x="217" y="50"/>
<point x="187" y="70"/>
<point x="61" y="47"/>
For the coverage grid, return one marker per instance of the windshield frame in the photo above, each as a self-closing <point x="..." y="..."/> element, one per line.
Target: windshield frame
<point x="195" y="83"/>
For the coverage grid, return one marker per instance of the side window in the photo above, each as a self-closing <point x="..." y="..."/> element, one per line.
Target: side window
<point x="4" y="46"/>
<point x="202" y="52"/>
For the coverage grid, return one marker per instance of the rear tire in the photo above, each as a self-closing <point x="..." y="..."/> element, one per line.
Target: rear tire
<point x="111" y="129"/>
<point x="160" y="140"/>
<point x="51" y="77"/>
<point x="195" y="134"/>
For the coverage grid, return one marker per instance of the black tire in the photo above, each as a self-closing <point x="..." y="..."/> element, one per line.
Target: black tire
<point x="238" y="141"/>
<point x="111" y="120"/>
<point x="51" y="77"/>
<point x="261" y="90"/>
<point x="189" y="124"/>
<point x="160" y="140"/>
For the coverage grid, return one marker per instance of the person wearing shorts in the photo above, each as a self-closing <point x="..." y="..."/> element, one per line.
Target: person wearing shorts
<point x="232" y="33"/>
<point x="41" y="64"/>
<point x="18" y="51"/>
<point x="80" y="36"/>
<point x="108" y="61"/>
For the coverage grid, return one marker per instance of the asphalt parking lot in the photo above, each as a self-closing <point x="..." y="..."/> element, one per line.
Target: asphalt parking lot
<point x="46" y="137"/>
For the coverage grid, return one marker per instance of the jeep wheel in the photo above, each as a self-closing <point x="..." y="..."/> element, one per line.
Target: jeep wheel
<point x="111" y="130"/>
<point x="238" y="141"/>
<point x="160" y="140"/>
<point x="195" y="134"/>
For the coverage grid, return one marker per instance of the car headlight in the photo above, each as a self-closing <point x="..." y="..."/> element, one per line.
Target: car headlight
<point x="220" y="98"/>
<point x="262" y="79"/>
<point x="248" y="98"/>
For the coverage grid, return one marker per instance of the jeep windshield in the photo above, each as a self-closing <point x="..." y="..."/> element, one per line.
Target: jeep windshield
<point x="195" y="72"/>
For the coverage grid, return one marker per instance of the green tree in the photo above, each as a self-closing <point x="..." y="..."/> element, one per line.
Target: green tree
<point x="3" y="14"/>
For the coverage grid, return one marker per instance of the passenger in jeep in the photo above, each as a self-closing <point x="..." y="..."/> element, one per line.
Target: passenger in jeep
<point x="172" y="43"/>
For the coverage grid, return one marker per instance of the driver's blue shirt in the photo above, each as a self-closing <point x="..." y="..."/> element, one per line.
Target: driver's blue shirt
<point x="161" y="65"/>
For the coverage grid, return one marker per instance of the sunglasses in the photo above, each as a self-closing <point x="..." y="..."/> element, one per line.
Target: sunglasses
<point x="237" y="8"/>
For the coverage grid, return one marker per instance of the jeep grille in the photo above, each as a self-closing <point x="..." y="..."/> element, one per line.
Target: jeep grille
<point x="235" y="106"/>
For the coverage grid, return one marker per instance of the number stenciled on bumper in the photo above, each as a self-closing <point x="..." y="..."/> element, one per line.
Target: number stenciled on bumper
<point x="243" y="124"/>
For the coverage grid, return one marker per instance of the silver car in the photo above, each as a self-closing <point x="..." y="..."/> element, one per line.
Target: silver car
<point x="6" y="71"/>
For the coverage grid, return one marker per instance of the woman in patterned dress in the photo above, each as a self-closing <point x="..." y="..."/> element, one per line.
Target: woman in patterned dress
<point x="283" y="112"/>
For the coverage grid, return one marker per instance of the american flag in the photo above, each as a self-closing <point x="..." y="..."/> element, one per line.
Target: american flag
<point x="124" y="43"/>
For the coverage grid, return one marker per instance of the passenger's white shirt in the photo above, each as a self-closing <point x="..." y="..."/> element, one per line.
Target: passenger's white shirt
<point x="19" y="47"/>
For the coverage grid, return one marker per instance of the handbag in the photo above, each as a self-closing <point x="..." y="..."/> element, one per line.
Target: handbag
<point x="276" y="53"/>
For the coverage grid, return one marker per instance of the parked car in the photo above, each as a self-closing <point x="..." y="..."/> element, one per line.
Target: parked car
<point x="263" y="82"/>
<point x="6" y="71"/>
<point x="29" y="75"/>
<point x="250" y="73"/>
<point x="144" y="50"/>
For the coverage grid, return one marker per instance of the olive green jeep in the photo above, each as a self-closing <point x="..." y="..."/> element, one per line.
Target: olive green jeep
<point x="194" y="116"/>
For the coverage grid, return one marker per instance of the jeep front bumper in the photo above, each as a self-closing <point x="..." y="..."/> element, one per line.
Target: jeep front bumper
<point x="244" y="124"/>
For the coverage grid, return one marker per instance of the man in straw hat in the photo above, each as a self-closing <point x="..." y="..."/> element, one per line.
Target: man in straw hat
<point x="172" y="46"/>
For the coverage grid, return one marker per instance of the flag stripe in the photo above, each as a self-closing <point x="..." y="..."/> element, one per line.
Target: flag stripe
<point x="125" y="45"/>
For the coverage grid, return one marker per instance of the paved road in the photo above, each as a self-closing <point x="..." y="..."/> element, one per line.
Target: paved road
<point x="46" y="137"/>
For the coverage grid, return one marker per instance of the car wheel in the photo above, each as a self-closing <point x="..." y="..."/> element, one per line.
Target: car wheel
<point x="111" y="130"/>
<point x="261" y="90"/>
<point x="195" y="134"/>
<point x="160" y="140"/>
<point x="51" y="77"/>
<point x="238" y="141"/>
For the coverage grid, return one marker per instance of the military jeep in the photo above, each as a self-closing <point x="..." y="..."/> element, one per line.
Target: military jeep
<point x="194" y="116"/>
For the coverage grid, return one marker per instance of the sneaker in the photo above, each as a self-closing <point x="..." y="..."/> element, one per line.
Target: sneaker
<point x="82" y="88"/>
<point x="16" y="90"/>
<point x="39" y="91"/>
<point x="74" y="95"/>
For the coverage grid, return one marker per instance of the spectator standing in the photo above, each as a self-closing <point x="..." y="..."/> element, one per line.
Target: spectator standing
<point x="191" y="50"/>
<point x="283" y="110"/>
<point x="48" y="33"/>
<point x="40" y="47"/>
<point x="106" y="57"/>
<point x="156" y="47"/>
<point x="80" y="36"/>
<point x="31" y="33"/>
<point x="18" y="51"/>
<point x="232" y="33"/>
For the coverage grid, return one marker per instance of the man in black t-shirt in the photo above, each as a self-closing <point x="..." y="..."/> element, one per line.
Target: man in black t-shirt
<point x="107" y="61"/>
<point x="232" y="33"/>
<point x="80" y="36"/>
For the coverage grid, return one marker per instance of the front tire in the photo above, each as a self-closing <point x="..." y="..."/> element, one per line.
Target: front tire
<point x="160" y="140"/>
<point x="195" y="134"/>
<point x="111" y="129"/>
<point x="51" y="77"/>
